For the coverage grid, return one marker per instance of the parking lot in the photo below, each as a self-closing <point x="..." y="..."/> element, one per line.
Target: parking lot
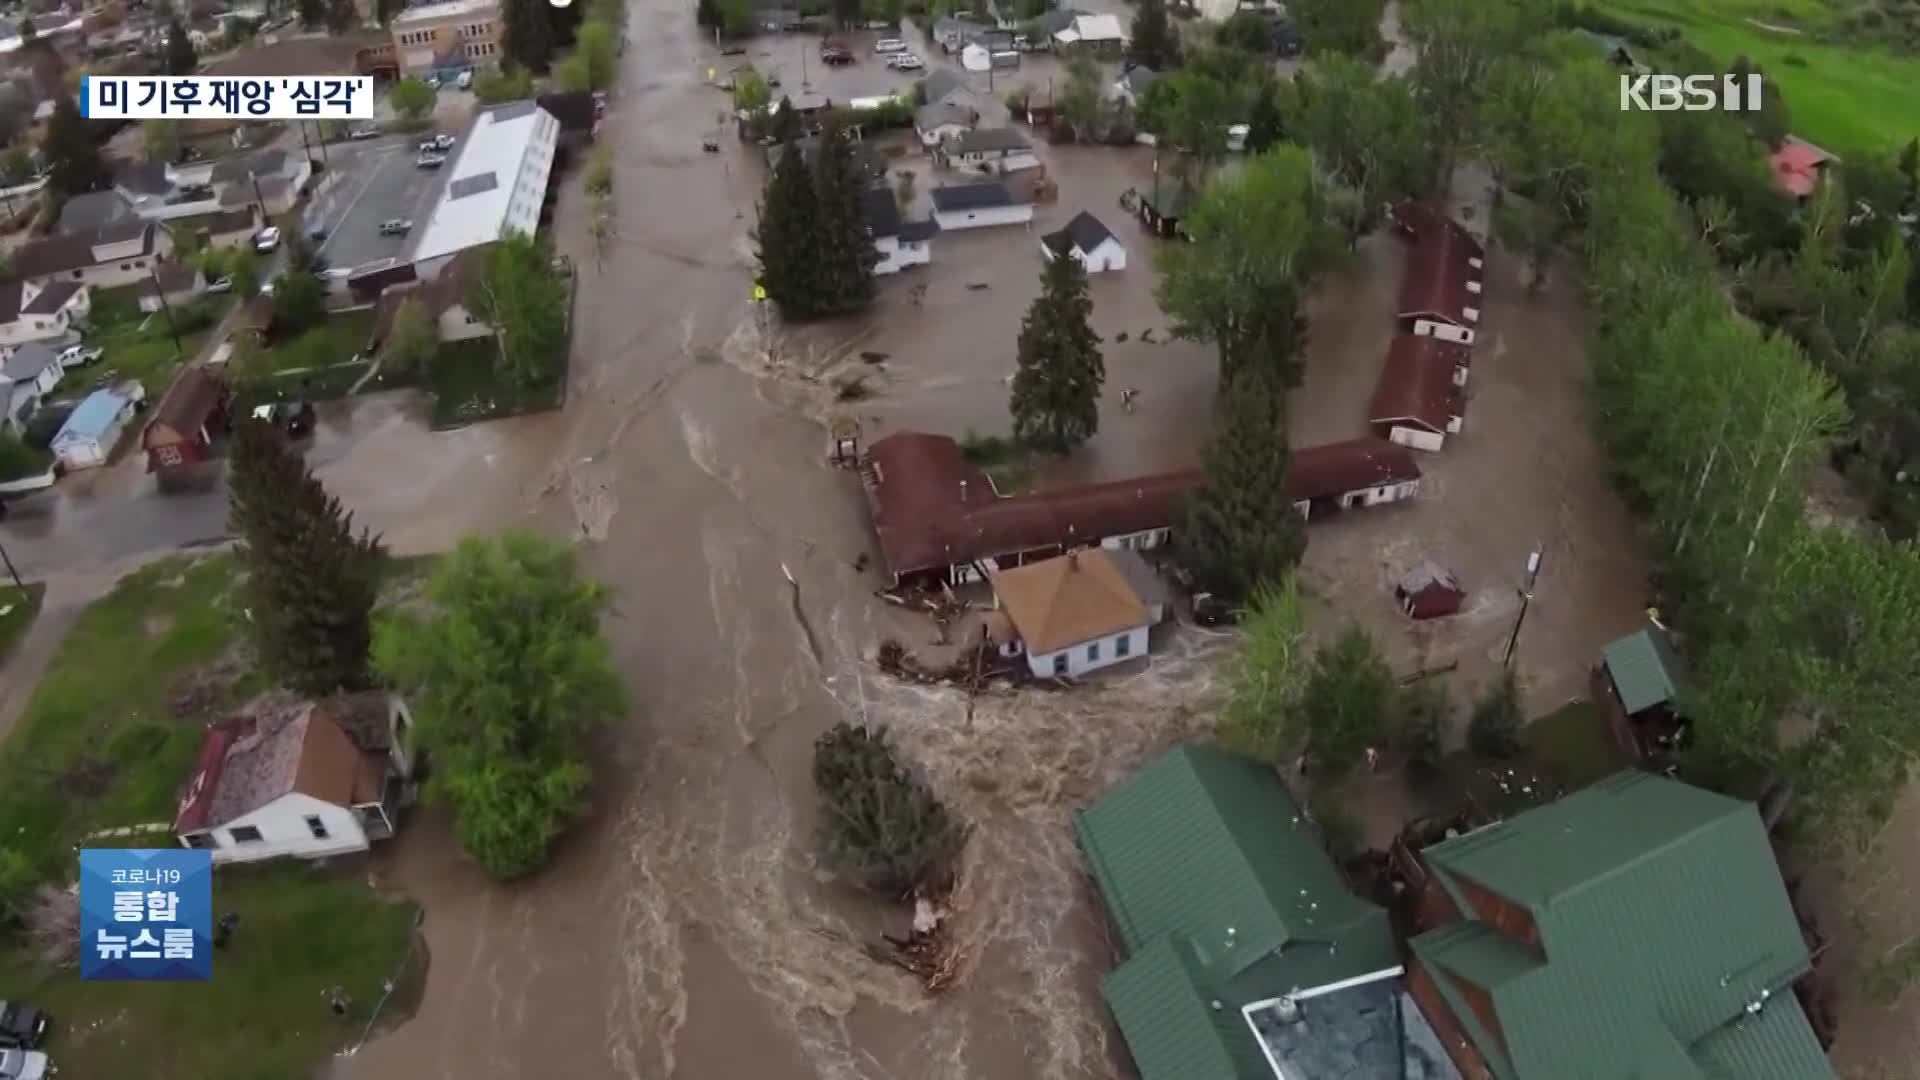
<point x="369" y="183"/>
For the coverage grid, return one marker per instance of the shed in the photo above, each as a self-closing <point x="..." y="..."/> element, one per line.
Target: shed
<point x="1085" y="238"/>
<point x="1429" y="591"/>
<point x="1644" y="670"/>
<point x="185" y="422"/>
<point x="88" y="437"/>
<point x="1418" y="401"/>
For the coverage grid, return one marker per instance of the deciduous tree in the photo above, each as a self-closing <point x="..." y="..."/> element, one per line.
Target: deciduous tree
<point x="299" y="302"/>
<point x="1083" y="100"/>
<point x="1268" y="673"/>
<point x="506" y="677"/>
<point x="412" y="99"/>
<point x="1459" y="42"/>
<point x="1367" y="133"/>
<point x="1241" y="527"/>
<point x="311" y="580"/>
<point x="510" y="83"/>
<point x="1345" y="27"/>
<point x="1347" y="705"/>
<point x="879" y="825"/>
<point x="413" y="340"/>
<point x="1055" y="399"/>
<point x="1493" y="728"/>
<point x="526" y="301"/>
<point x="162" y="139"/>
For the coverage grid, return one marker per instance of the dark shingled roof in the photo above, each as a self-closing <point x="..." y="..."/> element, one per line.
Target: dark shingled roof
<point x="971" y="197"/>
<point x="94" y="210"/>
<point x="52" y="298"/>
<point x="10" y="293"/>
<point x="1084" y="232"/>
<point x="987" y="141"/>
<point x="914" y="232"/>
<point x="74" y="251"/>
<point x="882" y="213"/>
<point x="172" y="278"/>
<point x="145" y="178"/>
<point x="263" y="164"/>
<point x="574" y="110"/>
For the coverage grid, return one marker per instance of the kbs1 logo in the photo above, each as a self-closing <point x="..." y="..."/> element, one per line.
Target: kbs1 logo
<point x="1690" y="93"/>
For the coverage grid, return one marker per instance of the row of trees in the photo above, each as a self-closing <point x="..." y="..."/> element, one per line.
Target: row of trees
<point x="505" y="670"/>
<point x="816" y="258"/>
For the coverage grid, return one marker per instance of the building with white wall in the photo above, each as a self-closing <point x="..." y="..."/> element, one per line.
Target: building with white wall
<point x="975" y="206"/>
<point x="1074" y="614"/>
<point x="33" y="311"/>
<point x="1085" y="238"/>
<point x="114" y="255"/>
<point x="900" y="243"/>
<point x="496" y="182"/>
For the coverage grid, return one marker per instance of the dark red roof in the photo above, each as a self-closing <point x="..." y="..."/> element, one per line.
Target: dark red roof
<point x="1439" y="269"/>
<point x="1416" y="382"/>
<point x="932" y="509"/>
<point x="196" y="802"/>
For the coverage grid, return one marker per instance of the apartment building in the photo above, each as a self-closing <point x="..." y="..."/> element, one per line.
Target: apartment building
<point x="448" y="37"/>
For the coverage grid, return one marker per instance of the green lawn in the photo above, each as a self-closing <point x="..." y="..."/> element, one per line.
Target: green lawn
<point x="333" y="341"/>
<point x="1847" y="98"/>
<point x="1571" y="745"/>
<point x="466" y="390"/>
<point x="141" y="346"/>
<point x="19" y="609"/>
<point x="263" y="1015"/>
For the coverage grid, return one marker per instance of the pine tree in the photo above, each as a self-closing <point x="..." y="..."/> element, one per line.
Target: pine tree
<point x="311" y="582"/>
<point x="1056" y="391"/>
<point x="1153" y="43"/>
<point x="845" y="255"/>
<point x="530" y="39"/>
<point x="181" y="58"/>
<point x="71" y="152"/>
<point x="789" y="225"/>
<point x="882" y="827"/>
<point x="1242" y="529"/>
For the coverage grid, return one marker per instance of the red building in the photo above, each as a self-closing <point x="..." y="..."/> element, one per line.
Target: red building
<point x="191" y="413"/>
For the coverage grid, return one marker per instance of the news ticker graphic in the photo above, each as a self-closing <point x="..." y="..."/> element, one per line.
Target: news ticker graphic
<point x="222" y="97"/>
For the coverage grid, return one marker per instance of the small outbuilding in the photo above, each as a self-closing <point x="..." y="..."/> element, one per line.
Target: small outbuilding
<point x="88" y="437"/>
<point x="975" y="206"/>
<point x="1638" y="682"/>
<point x="1074" y="613"/>
<point x="1085" y="238"/>
<point x="190" y="414"/>
<point x="1429" y="591"/>
<point x="1418" y="401"/>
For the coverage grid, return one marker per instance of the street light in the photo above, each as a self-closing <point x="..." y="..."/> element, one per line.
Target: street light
<point x="1526" y="600"/>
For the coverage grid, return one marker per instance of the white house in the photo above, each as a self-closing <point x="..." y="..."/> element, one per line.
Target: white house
<point x="87" y="439"/>
<point x="1099" y="33"/>
<point x="32" y="367"/>
<point x="105" y="257"/>
<point x="35" y="311"/>
<point x="1087" y="240"/>
<point x="1074" y="613"/>
<point x="309" y="779"/>
<point x="445" y="299"/>
<point x="988" y="150"/>
<point x="900" y="244"/>
<point x="975" y="206"/>
<point x="1132" y="85"/>
<point x="1418" y="401"/>
<point x="270" y="180"/>
<point x="943" y="120"/>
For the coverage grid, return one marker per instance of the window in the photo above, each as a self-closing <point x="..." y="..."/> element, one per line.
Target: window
<point x="1122" y="645"/>
<point x="244" y="834"/>
<point x="202" y="840"/>
<point x="317" y="827"/>
<point x="1093" y="652"/>
<point x="1059" y="663"/>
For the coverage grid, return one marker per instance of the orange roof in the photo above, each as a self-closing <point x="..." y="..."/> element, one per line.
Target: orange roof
<point x="1063" y="601"/>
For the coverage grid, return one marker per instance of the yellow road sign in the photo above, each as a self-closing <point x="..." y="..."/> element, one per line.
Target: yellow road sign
<point x="759" y="293"/>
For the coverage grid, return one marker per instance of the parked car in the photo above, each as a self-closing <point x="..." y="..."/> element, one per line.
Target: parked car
<point x="317" y="233"/>
<point x="24" y="1065"/>
<point x="220" y="285"/>
<point x="465" y="80"/>
<point x="889" y="45"/>
<point x="395" y="227"/>
<point x="365" y="131"/>
<point x="74" y="356"/>
<point x="22" y="1027"/>
<point x="836" y="55"/>
<point x="266" y="240"/>
<point x="439" y="144"/>
<point x="430" y="160"/>
<point x="905" y="62"/>
<point x="293" y="417"/>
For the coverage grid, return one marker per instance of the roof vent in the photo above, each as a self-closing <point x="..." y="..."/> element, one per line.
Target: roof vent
<point x="1286" y="1010"/>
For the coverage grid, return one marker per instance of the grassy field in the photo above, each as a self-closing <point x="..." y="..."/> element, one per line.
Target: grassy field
<point x="466" y="390"/>
<point x="19" y="609"/>
<point x="335" y="340"/>
<point x="139" y="346"/>
<point x="1571" y="745"/>
<point x="1844" y="97"/>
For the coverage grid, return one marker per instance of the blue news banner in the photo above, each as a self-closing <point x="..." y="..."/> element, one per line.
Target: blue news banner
<point x="146" y="913"/>
<point x="226" y="97"/>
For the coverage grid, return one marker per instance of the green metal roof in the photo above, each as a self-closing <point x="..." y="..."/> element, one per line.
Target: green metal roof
<point x="1161" y="1004"/>
<point x="1645" y="669"/>
<point x="1661" y="919"/>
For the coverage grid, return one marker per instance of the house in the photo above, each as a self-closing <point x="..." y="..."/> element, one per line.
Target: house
<point x="228" y="229"/>
<point x="900" y="244"/>
<point x="93" y="429"/>
<point x="1050" y="23"/>
<point x="192" y="411"/>
<point x="171" y="284"/>
<point x="114" y="255"/>
<point x="1245" y="955"/>
<point x="943" y="120"/>
<point x="1159" y="208"/>
<point x="1638" y="683"/>
<point x="94" y="210"/>
<point x="937" y="516"/>
<point x="1441" y="293"/>
<point x="1146" y="582"/>
<point x="271" y="180"/>
<point x="1074" y="613"/>
<point x="1086" y="239"/>
<point x="37" y="311"/>
<point x="448" y="38"/>
<point x="952" y="33"/>
<point x="1419" y="399"/>
<point x="990" y="49"/>
<point x="1799" y="166"/>
<point x="444" y="299"/>
<point x="1099" y="34"/>
<point x="1429" y="591"/>
<point x="1131" y="86"/>
<point x="988" y="150"/>
<point x="307" y="779"/>
<point x="944" y="86"/>
<point x="496" y="183"/>
<point x="34" y="368"/>
<point x="1636" y="928"/>
<point x="974" y="206"/>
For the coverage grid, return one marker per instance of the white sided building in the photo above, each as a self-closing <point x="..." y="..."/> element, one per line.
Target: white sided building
<point x="900" y="244"/>
<point x="1085" y="238"/>
<point x="1073" y="614"/>
<point x="976" y="206"/>
<point x="495" y="182"/>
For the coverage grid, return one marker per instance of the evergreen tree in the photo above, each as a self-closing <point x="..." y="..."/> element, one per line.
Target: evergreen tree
<point x="181" y="59"/>
<point x="530" y="39"/>
<point x="1242" y="529"/>
<point x="71" y="152"/>
<point x="1266" y="123"/>
<point x="882" y="827"/>
<point x="845" y="256"/>
<point x="1493" y="730"/>
<point x="1056" y="391"/>
<point x="311" y="582"/>
<point x="789" y="224"/>
<point x="312" y="12"/>
<point x="1154" y="43"/>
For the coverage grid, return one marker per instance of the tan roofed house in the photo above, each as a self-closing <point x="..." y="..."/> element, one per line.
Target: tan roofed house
<point x="1075" y="613"/>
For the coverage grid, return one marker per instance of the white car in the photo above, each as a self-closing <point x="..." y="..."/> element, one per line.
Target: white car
<point x="430" y="160"/>
<point x="889" y="45"/>
<point x="266" y="240"/>
<point x="25" y="1065"/>
<point x="439" y="144"/>
<point x="904" y="62"/>
<point x="79" y="356"/>
<point x="220" y="285"/>
<point x="465" y="80"/>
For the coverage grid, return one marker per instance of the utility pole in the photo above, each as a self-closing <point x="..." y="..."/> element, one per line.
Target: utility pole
<point x="11" y="572"/>
<point x="1526" y="600"/>
<point x="153" y="275"/>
